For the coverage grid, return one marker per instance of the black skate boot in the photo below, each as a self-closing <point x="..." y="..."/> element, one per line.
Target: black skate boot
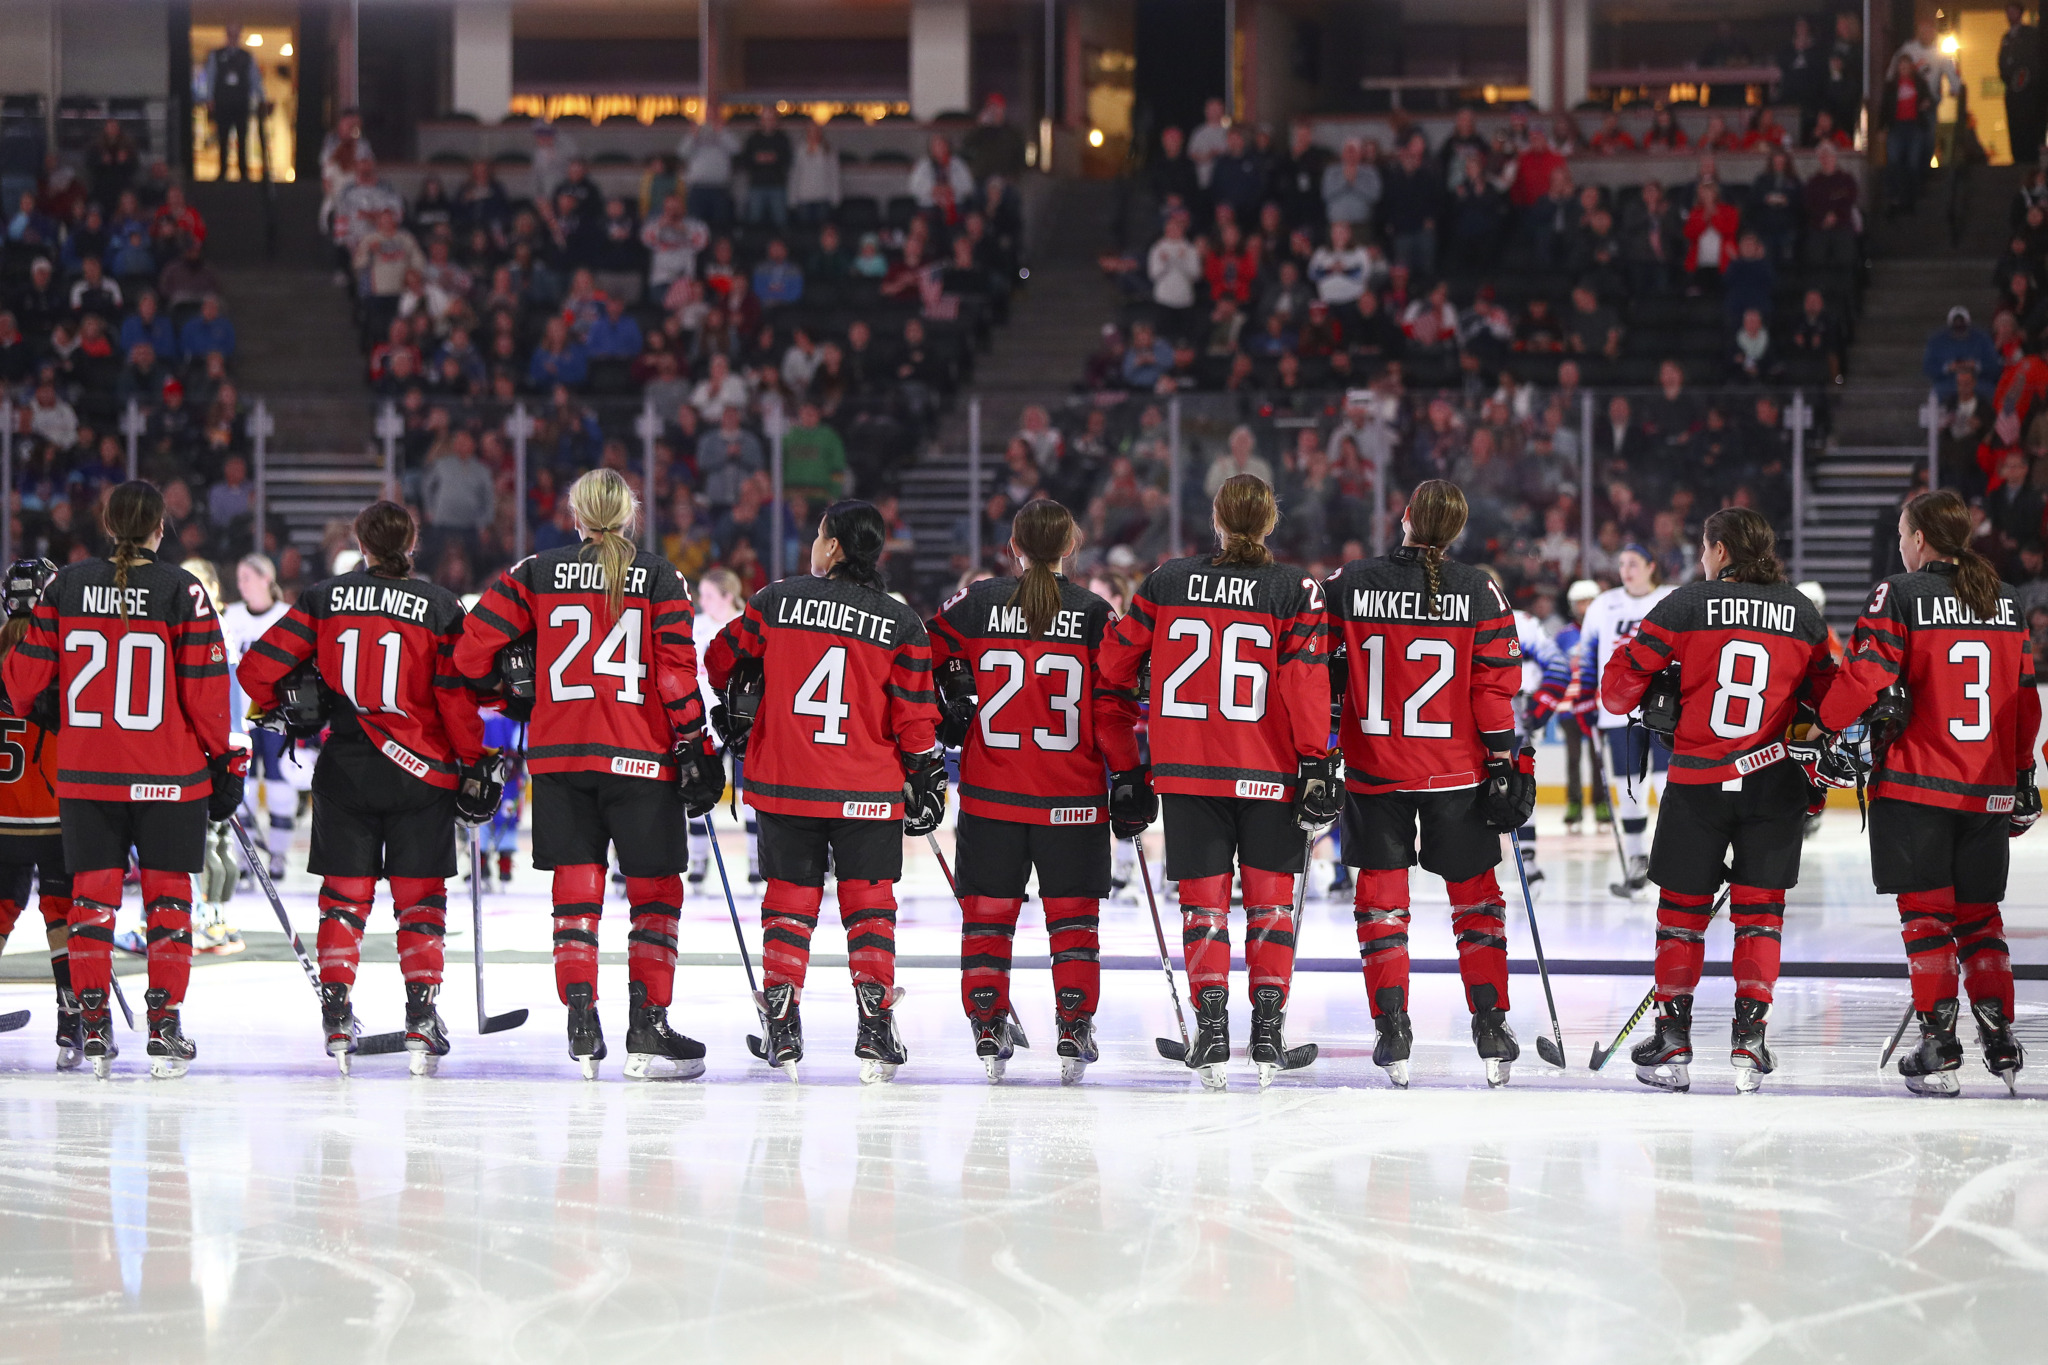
<point x="654" y="1051"/>
<point x="994" y="1041"/>
<point x="1076" y="1049"/>
<point x="1269" y="1051"/>
<point x="1210" y="1054"/>
<point x="338" y="1022"/>
<point x="1664" y="1059"/>
<point x="784" y="1045"/>
<point x="878" y="1045"/>
<point x="1492" y="1036"/>
<point x="426" y="1037"/>
<point x="170" y="1051"/>
<point x="1747" y="1049"/>
<point x="586" y="1034"/>
<point x="1930" y="1069"/>
<point x="70" y="1032"/>
<point x="1634" y="879"/>
<point x="2003" y="1055"/>
<point x="96" y="1032"/>
<point x="1396" y="1035"/>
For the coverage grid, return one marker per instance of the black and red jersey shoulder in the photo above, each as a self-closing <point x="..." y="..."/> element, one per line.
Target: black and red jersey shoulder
<point x="1031" y="756"/>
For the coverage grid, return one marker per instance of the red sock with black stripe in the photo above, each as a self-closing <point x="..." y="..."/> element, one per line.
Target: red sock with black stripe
<point x="1074" y="925"/>
<point x="1682" y="920"/>
<point x="1927" y="923"/>
<point x="789" y="916"/>
<point x="1981" y="950"/>
<point x="1379" y="911"/>
<point x="651" y="946"/>
<point x="988" y="929"/>
<point x="1758" y="913"/>
<point x="1269" y="930"/>
<point x="422" y="906"/>
<point x="579" y="901"/>
<point x="167" y="903"/>
<point x="344" y="911"/>
<point x="868" y="910"/>
<point x="95" y="896"/>
<point x="1479" y="919"/>
<point x="1205" y="931"/>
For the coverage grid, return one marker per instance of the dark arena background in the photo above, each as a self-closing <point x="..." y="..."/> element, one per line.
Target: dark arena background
<point x="1606" y="267"/>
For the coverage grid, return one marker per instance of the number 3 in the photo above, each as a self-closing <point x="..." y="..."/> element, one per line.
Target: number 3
<point x="1978" y="653"/>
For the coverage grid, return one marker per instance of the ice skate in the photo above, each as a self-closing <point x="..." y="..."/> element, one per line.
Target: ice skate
<point x="878" y="1044"/>
<point x="1574" y="817"/>
<point x="96" y="1027"/>
<point x="1664" y="1059"/>
<point x="586" y="1034"/>
<point x="1340" y="882"/>
<point x="170" y="1051"/>
<point x="784" y="1045"/>
<point x="70" y="1032"/>
<point x="1268" y="1050"/>
<point x="699" y="869"/>
<point x="1634" y="879"/>
<point x="214" y="935"/>
<point x="994" y="1041"/>
<point x="1493" y="1037"/>
<point x="1210" y="1053"/>
<point x="2003" y="1055"/>
<point x="1747" y="1048"/>
<point x="1396" y="1036"/>
<point x="338" y="1022"/>
<point x="755" y="877"/>
<point x="1076" y="1048"/>
<point x="1930" y="1068"/>
<point x="654" y="1051"/>
<point x="426" y="1037"/>
<point x="1603" y="815"/>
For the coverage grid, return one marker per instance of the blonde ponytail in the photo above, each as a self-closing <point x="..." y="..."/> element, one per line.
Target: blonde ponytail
<point x="604" y="505"/>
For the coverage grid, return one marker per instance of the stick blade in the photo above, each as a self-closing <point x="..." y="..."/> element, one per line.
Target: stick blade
<point x="1599" y="1057"/>
<point x="1172" y="1051"/>
<point x="1549" y="1051"/>
<point x="498" y="1023"/>
<point x="380" y="1044"/>
<point x="10" y="1022"/>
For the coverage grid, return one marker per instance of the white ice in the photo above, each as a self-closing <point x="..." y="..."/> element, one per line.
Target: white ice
<point x="263" y="1209"/>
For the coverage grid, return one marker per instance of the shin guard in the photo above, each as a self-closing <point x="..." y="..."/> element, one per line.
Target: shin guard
<point x="1927" y="923"/>
<point x="988" y="927"/>
<point x="1074" y="923"/>
<point x="1682" y="921"/>
<point x="1205" y="931"/>
<point x="344" y="910"/>
<point x="1269" y="930"/>
<point x="1758" y="914"/>
<point x="10" y="911"/>
<point x="868" y="910"/>
<point x="579" y="900"/>
<point x="422" y="906"/>
<point x="1379" y="908"/>
<point x="1980" y="949"/>
<point x="789" y="916"/>
<point x="95" y="896"/>
<point x="1479" y="919"/>
<point x="167" y="902"/>
<point x="651" y="946"/>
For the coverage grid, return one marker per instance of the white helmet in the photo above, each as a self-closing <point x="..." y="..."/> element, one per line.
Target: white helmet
<point x="1815" y="594"/>
<point x="1583" y="590"/>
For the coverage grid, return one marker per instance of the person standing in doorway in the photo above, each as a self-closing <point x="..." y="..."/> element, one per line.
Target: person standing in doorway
<point x="233" y="92"/>
<point x="2019" y="67"/>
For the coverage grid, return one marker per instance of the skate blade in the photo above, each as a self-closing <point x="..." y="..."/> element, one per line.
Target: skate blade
<point x="1267" y="1071"/>
<point x="1748" y="1080"/>
<point x="1397" y="1073"/>
<point x="342" y="1060"/>
<point x="422" y="1063"/>
<point x="1213" y="1076"/>
<point x="995" y="1067"/>
<point x="652" y="1066"/>
<point x="1673" y="1076"/>
<point x="1498" y="1070"/>
<point x="589" y="1067"/>
<point x="2011" y="1077"/>
<point x="1072" y="1069"/>
<point x="168" y="1068"/>
<point x="1944" y="1085"/>
<point x="102" y="1067"/>
<point x="873" y="1072"/>
<point x="69" y="1058"/>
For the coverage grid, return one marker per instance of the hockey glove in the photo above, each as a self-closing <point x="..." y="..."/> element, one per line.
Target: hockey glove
<point x="480" y="788"/>
<point x="1133" y="804"/>
<point x="733" y="716"/>
<point x="924" y="792"/>
<point x="1318" y="792"/>
<point x="1827" y="763"/>
<point x="700" y="775"/>
<point x="229" y="772"/>
<point x="956" y="721"/>
<point x="1508" y="796"/>
<point x="1660" y="704"/>
<point x="2026" y="803"/>
<point x="515" y="678"/>
<point x="26" y="579"/>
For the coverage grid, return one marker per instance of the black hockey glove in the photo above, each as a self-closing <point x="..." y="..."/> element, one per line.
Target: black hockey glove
<point x="1318" y="791"/>
<point x="515" y="678"/>
<point x="924" y="792"/>
<point x="957" y="703"/>
<point x="1508" y="796"/>
<point x="1660" y="704"/>
<point x="480" y="788"/>
<point x="2026" y="803"/>
<point x="1133" y="804"/>
<point x="229" y="772"/>
<point x="1827" y="762"/>
<point x="733" y="716"/>
<point x="700" y="775"/>
<point x="26" y="579"/>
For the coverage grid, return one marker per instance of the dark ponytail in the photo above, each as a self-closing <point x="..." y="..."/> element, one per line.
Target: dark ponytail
<point x="861" y="534"/>
<point x="1944" y="518"/>
<point x="1043" y="532"/>
<point x="134" y="513"/>
<point x="1436" y="517"/>
<point x="386" y="532"/>
<point x="1751" y="543"/>
<point x="1245" y="515"/>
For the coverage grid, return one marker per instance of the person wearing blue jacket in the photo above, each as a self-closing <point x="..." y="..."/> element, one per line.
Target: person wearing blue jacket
<point x="1956" y="345"/>
<point x="208" y="331"/>
<point x="147" y="323"/>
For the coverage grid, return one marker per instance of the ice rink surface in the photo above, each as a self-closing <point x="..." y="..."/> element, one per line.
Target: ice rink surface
<point x="263" y="1209"/>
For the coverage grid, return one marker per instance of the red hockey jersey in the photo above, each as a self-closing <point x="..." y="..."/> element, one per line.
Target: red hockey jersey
<point x="386" y="646"/>
<point x="847" y="690"/>
<point x="145" y="700"/>
<point x="1030" y="755"/>
<point x="1746" y="654"/>
<point x="28" y="779"/>
<point x="1240" y="688"/>
<point x="1427" y="694"/>
<point x="612" y="694"/>
<point x="1975" y="710"/>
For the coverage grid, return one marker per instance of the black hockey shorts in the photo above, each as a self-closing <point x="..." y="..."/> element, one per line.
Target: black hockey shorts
<point x="1925" y="848"/>
<point x="1763" y="821"/>
<point x="371" y="818"/>
<point x="33" y="860"/>
<point x="1209" y="836"/>
<point x="167" y="836"/>
<point x="1380" y="833"/>
<point x="796" y="849"/>
<point x="996" y="858"/>
<point x="578" y="817"/>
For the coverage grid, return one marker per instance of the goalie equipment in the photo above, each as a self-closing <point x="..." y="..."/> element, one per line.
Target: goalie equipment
<point x="1660" y="704"/>
<point x="26" y="579"/>
<point x="733" y="717"/>
<point x="1509" y="795"/>
<point x="480" y="789"/>
<point x="1319" y="792"/>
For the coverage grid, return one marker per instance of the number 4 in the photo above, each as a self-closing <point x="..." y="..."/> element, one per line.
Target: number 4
<point x="821" y="695"/>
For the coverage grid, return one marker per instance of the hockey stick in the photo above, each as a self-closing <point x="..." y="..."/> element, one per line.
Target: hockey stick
<point x="1600" y="1054"/>
<point x="1614" y="816"/>
<point x="122" y="1000"/>
<point x="755" y="1044"/>
<point x="1172" y="1051"/>
<point x="370" y="1044"/>
<point x="1550" y="1049"/>
<point x="1016" y="1024"/>
<point x="485" y="1023"/>
<point x="1897" y="1034"/>
<point x="10" y="1022"/>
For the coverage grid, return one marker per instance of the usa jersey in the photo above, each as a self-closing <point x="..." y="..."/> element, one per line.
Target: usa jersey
<point x="239" y="629"/>
<point x="848" y="690"/>
<point x="612" y="694"/>
<point x="386" y="649"/>
<point x="1746" y="654"/>
<point x="145" y="700"/>
<point x="1031" y="756"/>
<point x="1609" y="624"/>
<point x="1428" y="694"/>
<point x="1975" y="710"/>
<point x="28" y="779"/>
<point x="1240" y="684"/>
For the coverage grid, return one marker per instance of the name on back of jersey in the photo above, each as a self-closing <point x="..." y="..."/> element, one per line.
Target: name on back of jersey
<point x="368" y="598"/>
<point x="1066" y="625"/>
<point x="1950" y="611"/>
<point x="1386" y="604"/>
<point x="1229" y="591"/>
<point x="822" y="613"/>
<point x="1754" y="613"/>
<point x="580" y="575"/>
<point x="107" y="600"/>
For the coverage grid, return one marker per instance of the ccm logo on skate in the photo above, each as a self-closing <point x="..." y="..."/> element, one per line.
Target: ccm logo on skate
<point x="1074" y="815"/>
<point x="865" y="810"/>
<point x="1994" y="805"/>
<point x="405" y="758"/>
<point x="636" y="767"/>
<point x="1262" y="791"/>
<point x="1762" y="758"/>
<point x="144" y="791"/>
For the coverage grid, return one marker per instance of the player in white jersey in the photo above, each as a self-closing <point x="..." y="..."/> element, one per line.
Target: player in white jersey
<point x="1539" y="654"/>
<point x="1634" y="765"/>
<point x="241" y="625"/>
<point x="720" y="597"/>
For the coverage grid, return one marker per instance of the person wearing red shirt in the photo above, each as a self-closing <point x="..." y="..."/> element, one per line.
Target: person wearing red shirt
<point x="1710" y="232"/>
<point x="1533" y="169"/>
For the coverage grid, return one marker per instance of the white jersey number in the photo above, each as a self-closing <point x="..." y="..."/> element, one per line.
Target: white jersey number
<point x="127" y="662"/>
<point x="821" y="696"/>
<point x="618" y="655"/>
<point x="1374" y="720"/>
<point x="1978" y="653"/>
<point x="1237" y="672"/>
<point x="389" y="645"/>
<point x="1066" y="702"/>
<point x="1729" y="689"/>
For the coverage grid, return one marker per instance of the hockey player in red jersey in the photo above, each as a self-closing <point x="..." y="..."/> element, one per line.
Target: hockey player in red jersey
<point x="618" y="755"/>
<point x="1957" y="780"/>
<point x="404" y="756"/>
<point x="842" y="762"/>
<point x="1240" y="729"/>
<point x="1747" y="648"/>
<point x="1428" y="734"/>
<point x="1016" y="662"/>
<point x="137" y="651"/>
